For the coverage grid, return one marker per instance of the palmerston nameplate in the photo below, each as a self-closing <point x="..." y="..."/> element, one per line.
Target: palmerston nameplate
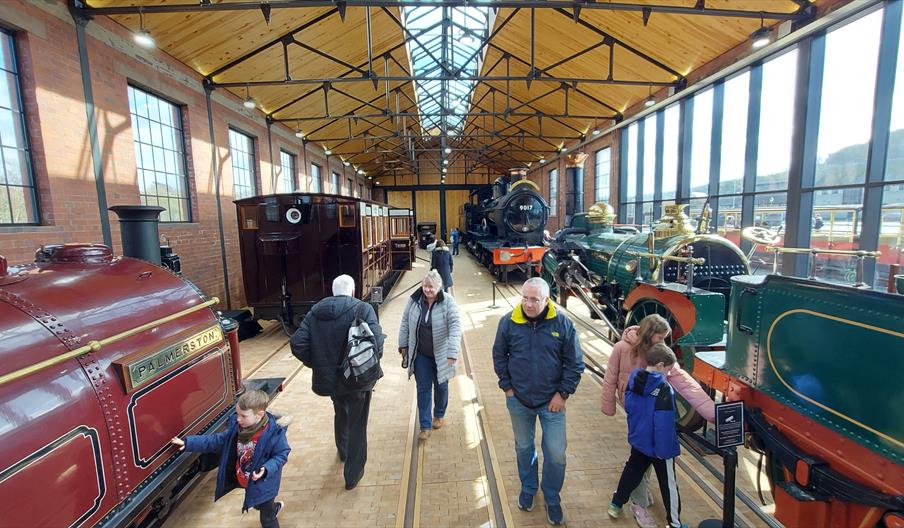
<point x="136" y="371"/>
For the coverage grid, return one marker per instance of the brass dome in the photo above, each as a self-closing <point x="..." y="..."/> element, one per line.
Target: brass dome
<point x="600" y="213"/>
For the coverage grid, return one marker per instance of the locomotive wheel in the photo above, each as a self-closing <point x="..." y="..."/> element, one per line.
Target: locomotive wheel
<point x="686" y="418"/>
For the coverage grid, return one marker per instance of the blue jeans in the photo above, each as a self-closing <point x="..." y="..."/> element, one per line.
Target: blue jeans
<point x="425" y="376"/>
<point x="553" y="444"/>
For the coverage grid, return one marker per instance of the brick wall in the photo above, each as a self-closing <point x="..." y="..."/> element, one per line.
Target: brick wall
<point x="51" y="82"/>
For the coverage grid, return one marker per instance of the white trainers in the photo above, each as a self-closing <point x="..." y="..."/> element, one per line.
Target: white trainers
<point x="643" y="517"/>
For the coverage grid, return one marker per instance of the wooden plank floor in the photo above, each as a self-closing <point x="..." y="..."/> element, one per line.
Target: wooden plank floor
<point x="452" y="486"/>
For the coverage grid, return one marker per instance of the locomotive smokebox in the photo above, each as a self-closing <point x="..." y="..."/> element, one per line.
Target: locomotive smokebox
<point x="138" y="228"/>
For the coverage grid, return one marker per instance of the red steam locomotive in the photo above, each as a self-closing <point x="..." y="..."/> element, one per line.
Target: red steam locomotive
<point x="103" y="359"/>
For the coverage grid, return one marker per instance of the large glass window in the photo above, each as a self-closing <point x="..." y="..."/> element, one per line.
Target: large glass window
<point x="316" y="182"/>
<point x="776" y="122"/>
<point x="334" y="183"/>
<point x="631" y="164"/>
<point x="894" y="164"/>
<point x="702" y="140"/>
<point x="553" y="191"/>
<point x="670" y="152"/>
<point x="241" y="149"/>
<point x="837" y="223"/>
<point x="286" y="178"/>
<point x="649" y="157"/>
<point x="846" y="110"/>
<point x="734" y="134"/>
<point x="768" y="211"/>
<point x="159" y="157"/>
<point x="601" y="174"/>
<point x="17" y="188"/>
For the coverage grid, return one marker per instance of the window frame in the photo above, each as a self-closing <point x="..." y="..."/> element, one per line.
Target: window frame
<point x="252" y="162"/>
<point x="8" y="40"/>
<point x="179" y="123"/>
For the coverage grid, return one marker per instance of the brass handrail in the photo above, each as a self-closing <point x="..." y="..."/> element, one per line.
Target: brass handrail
<point x="849" y="252"/>
<point x="691" y="260"/>
<point x="94" y="346"/>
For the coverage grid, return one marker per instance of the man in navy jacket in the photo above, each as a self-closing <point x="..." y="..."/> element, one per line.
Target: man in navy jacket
<point x="538" y="360"/>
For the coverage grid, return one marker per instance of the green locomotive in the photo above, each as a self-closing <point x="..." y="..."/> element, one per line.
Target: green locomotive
<point x="674" y="270"/>
<point x="817" y="367"/>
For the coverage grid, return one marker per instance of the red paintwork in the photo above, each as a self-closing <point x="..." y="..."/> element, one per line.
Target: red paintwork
<point x="82" y="404"/>
<point x="681" y="307"/>
<point x="848" y="458"/>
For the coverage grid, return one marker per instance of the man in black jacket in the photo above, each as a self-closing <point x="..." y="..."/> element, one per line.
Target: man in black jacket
<point x="320" y="344"/>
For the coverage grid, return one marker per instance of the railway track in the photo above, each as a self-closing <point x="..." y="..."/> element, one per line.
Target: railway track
<point x="412" y="489"/>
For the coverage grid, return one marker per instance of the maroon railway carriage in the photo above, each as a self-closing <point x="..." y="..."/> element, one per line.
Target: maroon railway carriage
<point x="294" y="245"/>
<point x="103" y="359"/>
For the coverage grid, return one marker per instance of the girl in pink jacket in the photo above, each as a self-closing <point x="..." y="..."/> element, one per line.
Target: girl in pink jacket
<point x="628" y="354"/>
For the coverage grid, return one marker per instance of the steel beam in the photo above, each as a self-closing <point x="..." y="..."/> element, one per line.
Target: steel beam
<point x="494" y="4"/>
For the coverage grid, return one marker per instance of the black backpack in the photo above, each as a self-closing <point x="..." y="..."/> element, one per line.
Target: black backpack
<point x="360" y="365"/>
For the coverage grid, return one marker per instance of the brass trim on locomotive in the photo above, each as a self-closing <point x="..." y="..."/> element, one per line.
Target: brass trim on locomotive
<point x="94" y="346"/>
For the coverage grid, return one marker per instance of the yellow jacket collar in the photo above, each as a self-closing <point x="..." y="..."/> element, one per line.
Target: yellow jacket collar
<point x="519" y="317"/>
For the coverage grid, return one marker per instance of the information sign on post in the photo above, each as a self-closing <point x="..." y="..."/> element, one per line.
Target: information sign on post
<point x="729" y="424"/>
<point x="376" y="294"/>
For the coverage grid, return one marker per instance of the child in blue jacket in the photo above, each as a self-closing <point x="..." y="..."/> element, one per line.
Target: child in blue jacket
<point x="253" y="449"/>
<point x="650" y="404"/>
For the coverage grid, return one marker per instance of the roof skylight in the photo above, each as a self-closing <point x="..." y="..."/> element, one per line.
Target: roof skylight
<point x="444" y="45"/>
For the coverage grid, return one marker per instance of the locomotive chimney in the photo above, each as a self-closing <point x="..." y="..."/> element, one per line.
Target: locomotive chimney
<point x="574" y="185"/>
<point x="138" y="229"/>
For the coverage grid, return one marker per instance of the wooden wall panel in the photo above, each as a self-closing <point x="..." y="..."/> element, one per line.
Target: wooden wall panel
<point x="399" y="198"/>
<point x="427" y="207"/>
<point x="454" y="201"/>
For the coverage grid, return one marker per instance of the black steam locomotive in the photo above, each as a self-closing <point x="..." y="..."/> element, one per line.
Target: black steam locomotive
<point x="504" y="225"/>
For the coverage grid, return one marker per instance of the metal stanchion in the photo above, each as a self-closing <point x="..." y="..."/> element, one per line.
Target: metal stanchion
<point x="494" y="305"/>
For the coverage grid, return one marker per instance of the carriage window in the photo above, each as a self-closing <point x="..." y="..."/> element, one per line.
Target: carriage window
<point x="248" y="216"/>
<point x="347" y="216"/>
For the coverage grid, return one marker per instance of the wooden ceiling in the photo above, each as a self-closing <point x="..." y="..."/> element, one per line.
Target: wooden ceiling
<point x="320" y="70"/>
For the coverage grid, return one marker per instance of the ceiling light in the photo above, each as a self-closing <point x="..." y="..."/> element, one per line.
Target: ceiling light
<point x="447" y="150"/>
<point x="596" y="131"/>
<point x="346" y="163"/>
<point x="361" y="172"/>
<point x="445" y="162"/>
<point x="249" y="102"/>
<point x="298" y="133"/>
<point x="445" y="170"/>
<point x="649" y="101"/>
<point x="542" y="160"/>
<point x="377" y="183"/>
<point x="327" y="151"/>
<point x="143" y="37"/>
<point x="760" y="37"/>
<point x="563" y="150"/>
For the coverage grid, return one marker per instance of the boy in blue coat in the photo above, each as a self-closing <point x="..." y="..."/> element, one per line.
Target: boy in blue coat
<point x="650" y="404"/>
<point x="253" y="449"/>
